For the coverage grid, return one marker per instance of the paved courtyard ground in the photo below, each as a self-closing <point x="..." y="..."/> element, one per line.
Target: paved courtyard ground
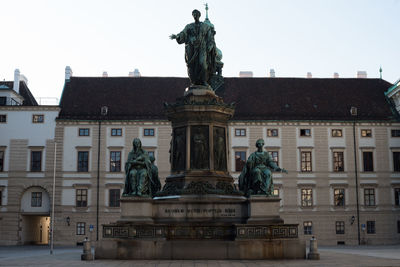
<point x="330" y="256"/>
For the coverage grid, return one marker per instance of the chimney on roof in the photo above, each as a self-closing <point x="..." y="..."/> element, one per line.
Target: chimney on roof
<point x="335" y="75"/>
<point x="17" y="78"/>
<point x="272" y="73"/>
<point x="309" y="75"/>
<point x="135" y="73"/>
<point x="68" y="73"/>
<point x="361" y="74"/>
<point x="246" y="74"/>
<point x="105" y="74"/>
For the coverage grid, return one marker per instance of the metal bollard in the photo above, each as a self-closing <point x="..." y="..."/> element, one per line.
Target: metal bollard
<point x="313" y="254"/>
<point x="87" y="250"/>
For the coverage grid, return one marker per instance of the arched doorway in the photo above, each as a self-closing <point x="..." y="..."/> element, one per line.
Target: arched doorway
<point x="35" y="212"/>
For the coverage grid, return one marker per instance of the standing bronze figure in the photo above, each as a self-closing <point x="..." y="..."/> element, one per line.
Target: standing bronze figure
<point x="200" y="50"/>
<point x="256" y="176"/>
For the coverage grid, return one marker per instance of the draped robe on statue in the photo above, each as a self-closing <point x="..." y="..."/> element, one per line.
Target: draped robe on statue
<point x="256" y="176"/>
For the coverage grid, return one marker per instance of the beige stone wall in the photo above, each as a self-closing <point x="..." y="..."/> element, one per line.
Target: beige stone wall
<point x="322" y="214"/>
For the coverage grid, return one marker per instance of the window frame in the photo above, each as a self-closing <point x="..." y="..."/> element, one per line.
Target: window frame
<point x="2" y="159"/>
<point x="80" y="166"/>
<point x="306" y="197"/>
<point x="396" y="164"/>
<point x="5" y="118"/>
<point x="80" y="228"/>
<point x="339" y="198"/>
<point x="149" y="132"/>
<point x="369" y="197"/>
<point x="271" y="152"/>
<point x="270" y="132"/>
<point x="336" y="161"/>
<point x="116" y="132"/>
<point x="371" y="227"/>
<point x="365" y="161"/>
<point x="35" y="118"/>
<point x="303" y="132"/>
<point x="366" y="133"/>
<point x="113" y="198"/>
<point x="396" y="191"/>
<point x="81" y="200"/>
<point x="340" y="227"/>
<point x="334" y="133"/>
<point x="82" y="132"/>
<point x="395" y="133"/>
<point x="306" y="165"/>
<point x="240" y="132"/>
<point x="35" y="162"/>
<point x="36" y="199"/>
<point x="242" y="162"/>
<point x="307" y="227"/>
<point x="117" y="163"/>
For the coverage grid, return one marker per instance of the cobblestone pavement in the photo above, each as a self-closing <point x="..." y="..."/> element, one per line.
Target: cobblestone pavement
<point x="330" y="256"/>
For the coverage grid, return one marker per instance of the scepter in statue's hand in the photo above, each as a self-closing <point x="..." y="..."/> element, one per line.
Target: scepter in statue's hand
<point x="172" y="36"/>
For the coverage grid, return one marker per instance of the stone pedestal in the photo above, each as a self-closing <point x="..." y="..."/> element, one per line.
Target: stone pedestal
<point x="263" y="209"/>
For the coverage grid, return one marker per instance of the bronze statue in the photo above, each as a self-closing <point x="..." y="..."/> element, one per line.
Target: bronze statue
<point x="138" y="171"/>
<point x="155" y="180"/>
<point x="256" y="177"/>
<point x="200" y="50"/>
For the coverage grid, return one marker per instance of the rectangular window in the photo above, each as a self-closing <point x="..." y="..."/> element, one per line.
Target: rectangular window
<point x="396" y="133"/>
<point x="305" y="132"/>
<point x="307" y="226"/>
<point x="276" y="192"/>
<point x="3" y="101"/>
<point x="398" y="227"/>
<point x="275" y="156"/>
<point x="396" y="161"/>
<point x="397" y="196"/>
<point x="340" y="228"/>
<point x="84" y="131"/>
<point x="80" y="228"/>
<point x="83" y="161"/>
<point x="338" y="195"/>
<point x="337" y="133"/>
<point x="240" y="132"/>
<point x="370" y="227"/>
<point x="37" y="118"/>
<point x="368" y="161"/>
<point x="366" y="133"/>
<point x="306" y="197"/>
<point x="1" y="160"/>
<point x="116" y="132"/>
<point x="3" y="118"/>
<point x="338" y="161"/>
<point x="114" y="197"/>
<point x="272" y="132"/>
<point x="1" y="198"/>
<point x="240" y="160"/>
<point x="148" y="132"/>
<point x="36" y="199"/>
<point x="115" y="161"/>
<point x="306" y="161"/>
<point x="81" y="197"/>
<point x="36" y="161"/>
<point x="369" y="196"/>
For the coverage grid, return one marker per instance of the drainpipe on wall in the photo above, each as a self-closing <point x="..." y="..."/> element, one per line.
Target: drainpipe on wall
<point x="353" y="112"/>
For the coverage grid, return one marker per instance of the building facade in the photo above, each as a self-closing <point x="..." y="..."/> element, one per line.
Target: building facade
<point x="338" y="138"/>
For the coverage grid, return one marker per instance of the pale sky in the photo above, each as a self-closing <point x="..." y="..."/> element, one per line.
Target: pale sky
<point x="291" y="36"/>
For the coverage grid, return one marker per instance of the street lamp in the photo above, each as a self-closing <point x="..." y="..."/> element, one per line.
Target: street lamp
<point x="354" y="113"/>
